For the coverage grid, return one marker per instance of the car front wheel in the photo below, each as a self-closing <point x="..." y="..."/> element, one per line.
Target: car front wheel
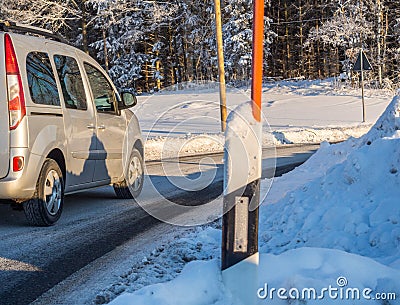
<point x="132" y="185"/>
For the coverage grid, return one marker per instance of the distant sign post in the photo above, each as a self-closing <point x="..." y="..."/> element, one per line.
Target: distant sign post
<point x="362" y="64"/>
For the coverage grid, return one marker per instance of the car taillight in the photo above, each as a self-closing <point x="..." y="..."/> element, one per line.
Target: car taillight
<point x="16" y="100"/>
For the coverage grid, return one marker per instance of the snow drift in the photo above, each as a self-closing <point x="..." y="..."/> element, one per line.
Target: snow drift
<point x="353" y="205"/>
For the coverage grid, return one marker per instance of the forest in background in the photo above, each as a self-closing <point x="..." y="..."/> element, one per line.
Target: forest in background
<point x="150" y="44"/>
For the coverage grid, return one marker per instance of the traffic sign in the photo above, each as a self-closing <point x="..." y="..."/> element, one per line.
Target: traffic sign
<point x="366" y="66"/>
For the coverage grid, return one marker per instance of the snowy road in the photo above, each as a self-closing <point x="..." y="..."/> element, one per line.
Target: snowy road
<point x="33" y="260"/>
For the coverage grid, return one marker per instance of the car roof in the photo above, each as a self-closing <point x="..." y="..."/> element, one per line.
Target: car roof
<point x="13" y="27"/>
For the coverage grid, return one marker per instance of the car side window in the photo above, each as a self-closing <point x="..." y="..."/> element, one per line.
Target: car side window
<point x="71" y="82"/>
<point x="41" y="80"/>
<point x="103" y="93"/>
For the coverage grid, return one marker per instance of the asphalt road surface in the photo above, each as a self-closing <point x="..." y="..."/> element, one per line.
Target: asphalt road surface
<point x="33" y="260"/>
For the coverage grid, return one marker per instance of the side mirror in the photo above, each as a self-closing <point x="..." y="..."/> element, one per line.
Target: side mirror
<point x="128" y="100"/>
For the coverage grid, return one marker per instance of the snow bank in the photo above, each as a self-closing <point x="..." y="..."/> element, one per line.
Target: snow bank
<point x="200" y="283"/>
<point x="317" y="135"/>
<point x="319" y="269"/>
<point x="331" y="86"/>
<point x="388" y="123"/>
<point x="168" y="147"/>
<point x="346" y="197"/>
<point x="308" y="275"/>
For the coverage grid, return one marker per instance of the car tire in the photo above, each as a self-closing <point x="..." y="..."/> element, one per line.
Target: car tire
<point x="45" y="208"/>
<point x="132" y="185"/>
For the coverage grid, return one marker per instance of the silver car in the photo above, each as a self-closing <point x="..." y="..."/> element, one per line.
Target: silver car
<point x="64" y="127"/>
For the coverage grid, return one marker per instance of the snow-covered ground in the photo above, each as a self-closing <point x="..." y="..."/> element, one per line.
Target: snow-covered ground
<point x="187" y="121"/>
<point x="329" y="234"/>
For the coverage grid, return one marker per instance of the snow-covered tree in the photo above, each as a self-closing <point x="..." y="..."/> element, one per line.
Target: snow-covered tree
<point x="66" y="17"/>
<point x="237" y="31"/>
<point x="345" y="29"/>
<point x="105" y="19"/>
<point x="50" y="14"/>
<point x="130" y="42"/>
<point x="196" y="28"/>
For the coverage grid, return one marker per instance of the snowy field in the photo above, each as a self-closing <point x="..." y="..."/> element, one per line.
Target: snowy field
<point x="187" y="121"/>
<point x="331" y="226"/>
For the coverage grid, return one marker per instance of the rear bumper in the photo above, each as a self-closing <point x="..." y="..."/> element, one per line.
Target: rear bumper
<point x="21" y="185"/>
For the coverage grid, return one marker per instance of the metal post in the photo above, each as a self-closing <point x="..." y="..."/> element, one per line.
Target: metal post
<point x="240" y="256"/>
<point x="362" y="65"/>
<point x="221" y="69"/>
<point x="105" y="50"/>
<point x="362" y="84"/>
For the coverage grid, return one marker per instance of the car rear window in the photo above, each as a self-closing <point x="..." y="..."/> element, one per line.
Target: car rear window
<point x="71" y="82"/>
<point x="41" y="80"/>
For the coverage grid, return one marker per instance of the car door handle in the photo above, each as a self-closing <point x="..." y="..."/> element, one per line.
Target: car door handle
<point x="101" y="127"/>
<point x="91" y="126"/>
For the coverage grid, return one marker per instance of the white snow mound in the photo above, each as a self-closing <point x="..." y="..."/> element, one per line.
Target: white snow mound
<point x="352" y="205"/>
<point x="353" y="280"/>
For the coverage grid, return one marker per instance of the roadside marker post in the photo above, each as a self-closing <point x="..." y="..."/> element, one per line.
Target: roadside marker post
<point x="221" y="68"/>
<point x="242" y="175"/>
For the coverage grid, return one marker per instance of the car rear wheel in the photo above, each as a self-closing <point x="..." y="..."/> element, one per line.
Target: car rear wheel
<point x="45" y="208"/>
<point x="132" y="185"/>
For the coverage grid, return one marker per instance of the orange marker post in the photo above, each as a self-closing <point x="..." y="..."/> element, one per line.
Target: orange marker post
<point x="257" y="62"/>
